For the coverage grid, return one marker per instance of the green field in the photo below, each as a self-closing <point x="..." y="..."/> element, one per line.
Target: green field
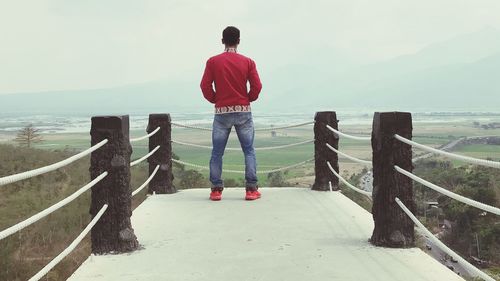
<point x="28" y="251"/>
<point x="432" y="134"/>
<point x="482" y="148"/>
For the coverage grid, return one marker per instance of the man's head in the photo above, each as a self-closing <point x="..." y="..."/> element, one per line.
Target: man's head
<point x="231" y="36"/>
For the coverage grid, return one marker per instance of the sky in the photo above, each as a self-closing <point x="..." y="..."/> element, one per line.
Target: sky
<point x="51" y="45"/>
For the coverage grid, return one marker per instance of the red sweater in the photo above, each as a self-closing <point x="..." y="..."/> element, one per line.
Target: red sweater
<point x="230" y="72"/>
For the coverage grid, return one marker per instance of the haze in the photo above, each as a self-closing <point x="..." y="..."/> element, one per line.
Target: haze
<point x="55" y="45"/>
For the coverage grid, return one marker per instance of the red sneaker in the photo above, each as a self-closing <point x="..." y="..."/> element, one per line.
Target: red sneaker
<point x="216" y="195"/>
<point x="252" y="195"/>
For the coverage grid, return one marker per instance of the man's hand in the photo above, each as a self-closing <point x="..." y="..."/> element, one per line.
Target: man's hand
<point x="255" y="84"/>
<point x="206" y="84"/>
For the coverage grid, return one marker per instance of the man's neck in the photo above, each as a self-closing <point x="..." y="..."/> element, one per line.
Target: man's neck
<point x="231" y="49"/>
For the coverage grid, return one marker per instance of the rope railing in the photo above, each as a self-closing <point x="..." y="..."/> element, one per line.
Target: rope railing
<point x="239" y="149"/>
<point x="133" y="163"/>
<point x="286" y="167"/>
<point x="146" y="136"/>
<point x="474" y="271"/>
<point x="71" y="247"/>
<point x="242" y="172"/>
<point x="204" y="167"/>
<point x="15" y="228"/>
<point x="285" y="127"/>
<point x="339" y="133"/>
<point x="52" y="167"/>
<point x="147" y="181"/>
<point x="200" y="146"/>
<point x="256" y="129"/>
<point x="360" y="161"/>
<point x="364" y="192"/>
<point x="450" y="194"/>
<point x="468" y="159"/>
<point x="191" y="126"/>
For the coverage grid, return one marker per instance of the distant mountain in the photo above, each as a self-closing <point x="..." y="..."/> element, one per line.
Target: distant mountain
<point x="158" y="96"/>
<point x="458" y="73"/>
<point x="472" y="85"/>
<point x="466" y="48"/>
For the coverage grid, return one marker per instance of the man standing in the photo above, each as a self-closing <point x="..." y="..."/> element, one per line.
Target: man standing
<point x="230" y="73"/>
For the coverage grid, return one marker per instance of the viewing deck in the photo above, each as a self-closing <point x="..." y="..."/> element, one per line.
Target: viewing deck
<point x="289" y="234"/>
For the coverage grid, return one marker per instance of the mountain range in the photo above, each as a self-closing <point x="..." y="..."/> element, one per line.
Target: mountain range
<point x="459" y="73"/>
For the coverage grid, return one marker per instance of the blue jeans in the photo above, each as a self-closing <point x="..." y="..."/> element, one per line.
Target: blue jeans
<point x="243" y="123"/>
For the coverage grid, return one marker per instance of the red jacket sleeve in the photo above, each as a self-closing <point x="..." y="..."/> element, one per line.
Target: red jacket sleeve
<point x="255" y="84"/>
<point x="206" y="84"/>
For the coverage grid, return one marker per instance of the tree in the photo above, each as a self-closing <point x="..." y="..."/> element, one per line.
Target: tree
<point x="276" y="179"/>
<point x="28" y="136"/>
<point x="192" y="179"/>
<point x="469" y="224"/>
<point x="233" y="182"/>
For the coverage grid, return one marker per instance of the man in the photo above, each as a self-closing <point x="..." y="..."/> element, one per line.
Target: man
<point x="230" y="72"/>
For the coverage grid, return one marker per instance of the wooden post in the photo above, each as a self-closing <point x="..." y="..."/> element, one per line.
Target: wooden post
<point x="162" y="182"/>
<point x="393" y="228"/>
<point x="113" y="232"/>
<point x="322" y="153"/>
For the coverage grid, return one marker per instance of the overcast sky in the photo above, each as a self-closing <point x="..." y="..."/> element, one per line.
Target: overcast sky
<point x="61" y="44"/>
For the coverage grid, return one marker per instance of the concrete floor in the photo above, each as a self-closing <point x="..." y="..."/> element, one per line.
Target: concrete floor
<point x="289" y="234"/>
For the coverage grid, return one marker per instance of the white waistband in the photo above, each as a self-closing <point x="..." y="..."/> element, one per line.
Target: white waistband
<point x="232" y="108"/>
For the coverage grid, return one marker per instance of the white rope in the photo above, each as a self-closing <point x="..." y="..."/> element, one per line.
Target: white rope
<point x="132" y="164"/>
<point x="364" y="162"/>
<point x="197" y="166"/>
<point x="191" y="127"/>
<point x="450" y="194"/>
<point x="71" y="247"/>
<point x="257" y="129"/>
<point x="469" y="267"/>
<point x="239" y="149"/>
<point x="15" y="228"/>
<point x="146" y="136"/>
<point x="348" y="136"/>
<point x="286" y="167"/>
<point x="364" y="192"/>
<point x="200" y="146"/>
<point x="468" y="159"/>
<point x="147" y="181"/>
<point x="285" y="127"/>
<point x="52" y="167"/>
<point x="242" y="172"/>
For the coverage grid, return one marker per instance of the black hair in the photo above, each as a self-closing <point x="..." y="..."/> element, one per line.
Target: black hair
<point x="231" y="35"/>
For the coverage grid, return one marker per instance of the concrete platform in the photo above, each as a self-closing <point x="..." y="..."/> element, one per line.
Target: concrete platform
<point x="289" y="234"/>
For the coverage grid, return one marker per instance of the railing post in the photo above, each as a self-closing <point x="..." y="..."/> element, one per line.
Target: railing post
<point x="393" y="228"/>
<point x="113" y="232"/>
<point x="162" y="182"/>
<point x="322" y="153"/>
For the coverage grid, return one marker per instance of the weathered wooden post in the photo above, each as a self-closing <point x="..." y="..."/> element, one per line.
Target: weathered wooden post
<point x="113" y="232"/>
<point x="393" y="228"/>
<point x="322" y="153"/>
<point x="162" y="182"/>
